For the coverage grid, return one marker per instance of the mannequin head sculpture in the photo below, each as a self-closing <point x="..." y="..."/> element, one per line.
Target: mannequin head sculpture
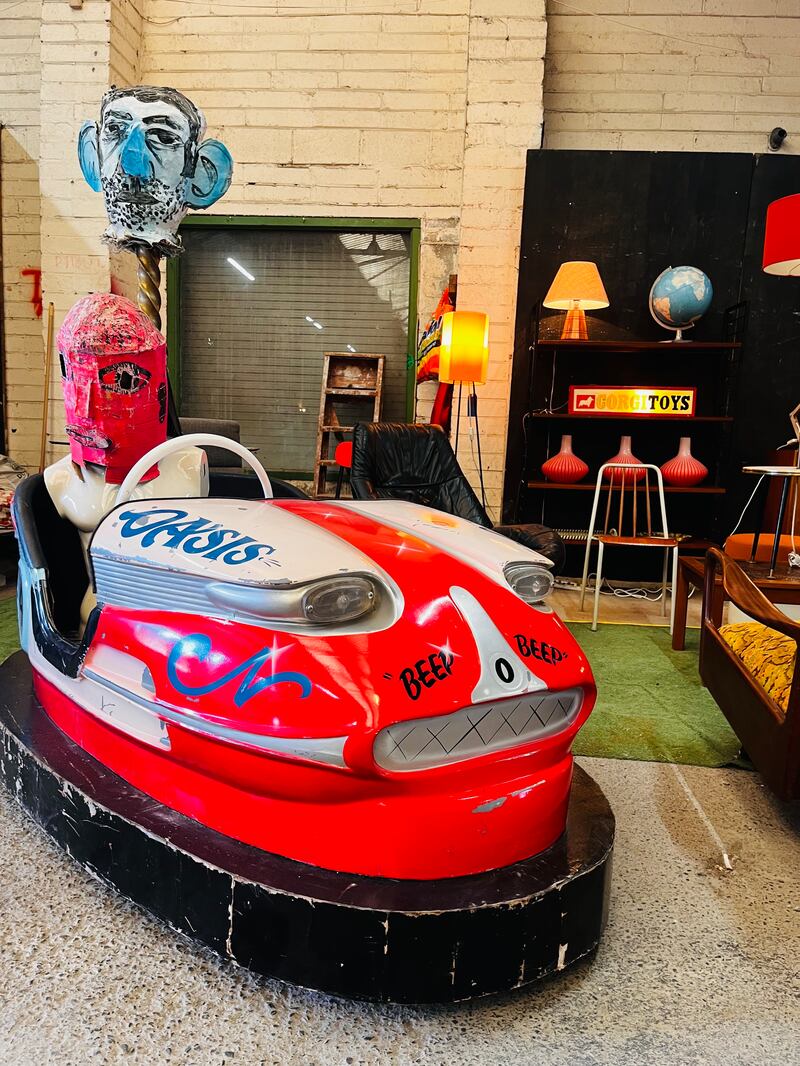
<point x="114" y="376"/>
<point x="148" y="156"/>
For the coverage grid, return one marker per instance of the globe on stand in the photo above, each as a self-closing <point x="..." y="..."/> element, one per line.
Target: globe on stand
<point x="680" y="296"/>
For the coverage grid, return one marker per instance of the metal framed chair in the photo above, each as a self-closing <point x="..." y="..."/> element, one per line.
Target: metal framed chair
<point x="633" y="485"/>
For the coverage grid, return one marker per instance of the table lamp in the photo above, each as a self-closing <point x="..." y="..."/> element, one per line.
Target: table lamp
<point x="464" y="358"/>
<point x="576" y="288"/>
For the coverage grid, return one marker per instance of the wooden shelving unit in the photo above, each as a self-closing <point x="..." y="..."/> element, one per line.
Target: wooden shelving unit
<point x="678" y="347"/>
<point x="709" y="366"/>
<point x="352" y="385"/>
<point x="636" y="418"/>
<point x="589" y="486"/>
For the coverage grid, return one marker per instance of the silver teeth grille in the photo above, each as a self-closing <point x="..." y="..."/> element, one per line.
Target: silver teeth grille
<point x="124" y="584"/>
<point x="475" y="730"/>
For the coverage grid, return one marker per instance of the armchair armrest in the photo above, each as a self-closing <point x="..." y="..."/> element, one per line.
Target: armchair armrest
<point x="745" y="594"/>
<point x="750" y="599"/>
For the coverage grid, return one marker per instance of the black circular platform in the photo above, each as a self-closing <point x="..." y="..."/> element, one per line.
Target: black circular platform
<point x="367" y="938"/>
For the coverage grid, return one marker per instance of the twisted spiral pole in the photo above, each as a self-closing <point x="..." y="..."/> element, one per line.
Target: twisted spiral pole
<point x="148" y="296"/>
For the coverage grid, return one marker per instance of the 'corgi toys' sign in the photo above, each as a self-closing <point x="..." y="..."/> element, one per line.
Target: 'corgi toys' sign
<point x="609" y="400"/>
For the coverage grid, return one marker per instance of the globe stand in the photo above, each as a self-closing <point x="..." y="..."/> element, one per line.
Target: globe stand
<point x="679" y="337"/>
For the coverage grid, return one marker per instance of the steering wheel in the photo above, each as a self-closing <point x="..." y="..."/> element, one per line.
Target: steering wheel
<point x="138" y="470"/>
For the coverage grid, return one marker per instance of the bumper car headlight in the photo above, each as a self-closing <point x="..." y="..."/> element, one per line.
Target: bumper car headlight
<point x="330" y="601"/>
<point x="531" y="583"/>
<point x="338" y="600"/>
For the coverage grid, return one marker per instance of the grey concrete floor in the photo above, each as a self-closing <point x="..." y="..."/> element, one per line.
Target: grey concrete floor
<point x="699" y="963"/>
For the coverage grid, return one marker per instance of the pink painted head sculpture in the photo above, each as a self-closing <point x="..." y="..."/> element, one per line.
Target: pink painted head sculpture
<point x="114" y="371"/>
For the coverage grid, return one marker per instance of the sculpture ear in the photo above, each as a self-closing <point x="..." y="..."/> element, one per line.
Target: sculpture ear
<point x="212" y="174"/>
<point x="89" y="155"/>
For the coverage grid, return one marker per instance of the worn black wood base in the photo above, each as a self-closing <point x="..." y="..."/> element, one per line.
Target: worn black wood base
<point x="368" y="938"/>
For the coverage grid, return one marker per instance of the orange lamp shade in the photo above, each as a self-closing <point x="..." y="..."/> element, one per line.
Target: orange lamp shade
<point x="577" y="284"/>
<point x="782" y="237"/>
<point x="464" y="353"/>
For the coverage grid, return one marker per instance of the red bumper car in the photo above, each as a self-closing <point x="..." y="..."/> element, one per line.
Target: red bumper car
<point x="370" y="691"/>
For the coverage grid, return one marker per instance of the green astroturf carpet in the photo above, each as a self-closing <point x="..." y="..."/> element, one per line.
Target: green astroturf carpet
<point x="650" y="702"/>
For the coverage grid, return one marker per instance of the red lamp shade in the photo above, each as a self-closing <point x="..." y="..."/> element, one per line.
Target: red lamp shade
<point x="782" y="237"/>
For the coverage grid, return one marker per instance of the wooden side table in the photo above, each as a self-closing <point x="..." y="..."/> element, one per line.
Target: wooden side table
<point x="787" y="473"/>
<point x="782" y="587"/>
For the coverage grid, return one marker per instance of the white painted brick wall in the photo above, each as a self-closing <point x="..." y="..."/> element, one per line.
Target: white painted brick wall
<point x="679" y="75"/>
<point x="74" y="262"/>
<point x="421" y="108"/>
<point x="19" y="144"/>
<point x="348" y="113"/>
<point x="506" y="50"/>
<point x="404" y="108"/>
<point x="72" y="216"/>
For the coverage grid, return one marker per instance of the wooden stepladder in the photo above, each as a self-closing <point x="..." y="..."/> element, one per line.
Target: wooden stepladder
<point x="351" y="392"/>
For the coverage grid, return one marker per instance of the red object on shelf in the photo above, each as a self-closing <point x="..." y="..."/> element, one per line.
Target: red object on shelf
<point x="565" y="468"/>
<point x="625" y="455"/>
<point x="683" y="469"/>
<point x="782" y="237"/>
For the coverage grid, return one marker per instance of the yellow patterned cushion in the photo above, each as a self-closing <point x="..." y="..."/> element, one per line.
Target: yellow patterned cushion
<point x="766" y="654"/>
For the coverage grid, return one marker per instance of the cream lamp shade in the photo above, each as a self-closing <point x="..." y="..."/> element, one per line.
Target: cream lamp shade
<point x="464" y="352"/>
<point x="576" y="288"/>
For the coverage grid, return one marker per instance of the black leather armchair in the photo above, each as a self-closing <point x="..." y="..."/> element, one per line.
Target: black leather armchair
<point x="393" y="461"/>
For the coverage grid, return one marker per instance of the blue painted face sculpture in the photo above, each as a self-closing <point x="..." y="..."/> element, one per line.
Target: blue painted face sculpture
<point x="148" y="156"/>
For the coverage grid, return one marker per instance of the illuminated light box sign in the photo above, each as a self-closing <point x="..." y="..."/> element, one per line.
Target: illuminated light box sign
<point x="609" y="400"/>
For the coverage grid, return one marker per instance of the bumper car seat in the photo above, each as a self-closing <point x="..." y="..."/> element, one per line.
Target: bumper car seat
<point x="395" y="461"/>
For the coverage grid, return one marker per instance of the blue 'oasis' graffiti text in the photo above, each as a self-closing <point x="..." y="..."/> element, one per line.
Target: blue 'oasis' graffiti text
<point x="195" y="536"/>
<point x="197" y="647"/>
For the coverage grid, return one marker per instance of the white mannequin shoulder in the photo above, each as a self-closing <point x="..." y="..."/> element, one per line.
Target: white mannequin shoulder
<point x="81" y="494"/>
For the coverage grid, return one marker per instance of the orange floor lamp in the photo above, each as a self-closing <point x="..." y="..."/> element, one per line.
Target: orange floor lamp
<point x="463" y="359"/>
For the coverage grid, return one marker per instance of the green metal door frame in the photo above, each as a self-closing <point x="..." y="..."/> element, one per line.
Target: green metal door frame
<point x="411" y="226"/>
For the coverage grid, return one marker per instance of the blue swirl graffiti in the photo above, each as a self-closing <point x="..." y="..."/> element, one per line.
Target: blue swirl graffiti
<point x="197" y="646"/>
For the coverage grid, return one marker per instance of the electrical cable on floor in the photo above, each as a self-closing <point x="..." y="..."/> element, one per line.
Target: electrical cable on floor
<point x="636" y="592"/>
<point x="562" y="584"/>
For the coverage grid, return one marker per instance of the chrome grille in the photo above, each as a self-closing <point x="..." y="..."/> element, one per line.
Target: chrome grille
<point x="127" y="584"/>
<point x="475" y="730"/>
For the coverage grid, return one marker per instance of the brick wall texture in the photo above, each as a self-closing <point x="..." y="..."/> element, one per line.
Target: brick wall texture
<point x="405" y="108"/>
<point x="20" y="82"/>
<point x="672" y="75"/>
<point x="414" y="108"/>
